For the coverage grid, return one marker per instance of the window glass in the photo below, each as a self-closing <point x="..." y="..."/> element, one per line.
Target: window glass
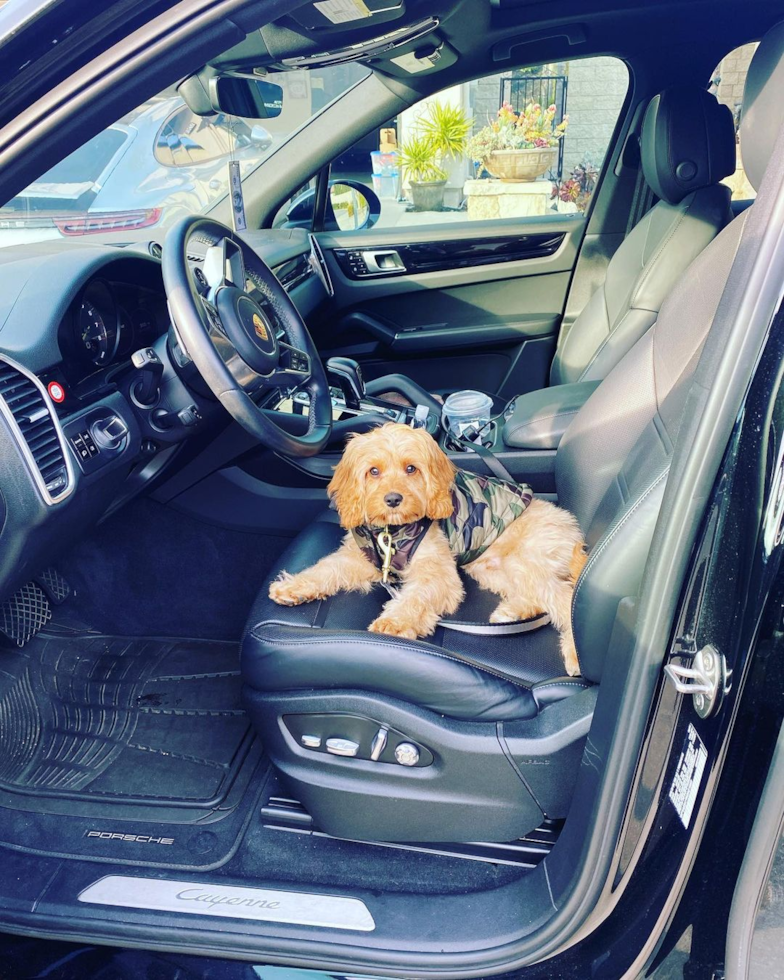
<point x="159" y="162"/>
<point x="727" y="84"/>
<point x="511" y="145"/>
<point x="187" y="138"/>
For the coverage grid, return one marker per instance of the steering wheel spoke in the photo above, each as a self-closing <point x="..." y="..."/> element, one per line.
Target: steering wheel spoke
<point x="294" y="367"/>
<point x="235" y="337"/>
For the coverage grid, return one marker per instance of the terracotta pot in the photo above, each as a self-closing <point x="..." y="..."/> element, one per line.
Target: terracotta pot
<point x="519" y="165"/>
<point x="427" y="195"/>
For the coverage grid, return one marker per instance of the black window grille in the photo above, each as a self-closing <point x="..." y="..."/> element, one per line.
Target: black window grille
<point x="546" y="90"/>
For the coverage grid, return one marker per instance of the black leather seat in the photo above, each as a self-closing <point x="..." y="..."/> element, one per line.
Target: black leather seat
<point x="457" y="674"/>
<point x="494" y="733"/>
<point x="687" y="146"/>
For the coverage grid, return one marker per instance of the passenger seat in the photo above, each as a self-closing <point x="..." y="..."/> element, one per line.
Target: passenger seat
<point x="687" y="146"/>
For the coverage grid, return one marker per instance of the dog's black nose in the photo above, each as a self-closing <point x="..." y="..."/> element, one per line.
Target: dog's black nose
<point x="393" y="499"/>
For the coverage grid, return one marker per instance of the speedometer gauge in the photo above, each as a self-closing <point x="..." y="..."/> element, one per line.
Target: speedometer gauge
<point x="97" y="328"/>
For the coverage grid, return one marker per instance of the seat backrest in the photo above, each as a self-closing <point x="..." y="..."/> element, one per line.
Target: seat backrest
<point x="612" y="464"/>
<point x="687" y="146"/>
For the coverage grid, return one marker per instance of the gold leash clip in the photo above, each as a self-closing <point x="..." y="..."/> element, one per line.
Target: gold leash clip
<point x="387" y="551"/>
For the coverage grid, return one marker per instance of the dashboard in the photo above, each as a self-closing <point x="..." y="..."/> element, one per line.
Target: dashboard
<point x="82" y="430"/>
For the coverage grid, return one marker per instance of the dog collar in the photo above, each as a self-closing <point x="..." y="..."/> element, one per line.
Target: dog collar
<point x="391" y="547"/>
<point x="483" y="507"/>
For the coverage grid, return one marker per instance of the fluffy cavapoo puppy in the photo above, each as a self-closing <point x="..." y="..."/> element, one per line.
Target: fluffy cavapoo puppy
<point x="413" y="517"/>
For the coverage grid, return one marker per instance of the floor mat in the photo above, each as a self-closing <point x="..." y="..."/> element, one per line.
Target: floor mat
<point x="110" y="745"/>
<point x="151" y="571"/>
<point x="134" y="719"/>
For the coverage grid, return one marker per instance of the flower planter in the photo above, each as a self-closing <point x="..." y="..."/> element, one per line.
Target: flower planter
<point x="427" y="195"/>
<point x="518" y="165"/>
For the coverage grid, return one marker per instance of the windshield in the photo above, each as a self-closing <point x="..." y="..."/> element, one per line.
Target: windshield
<point x="159" y="162"/>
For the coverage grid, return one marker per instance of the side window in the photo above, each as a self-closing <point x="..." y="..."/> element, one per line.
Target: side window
<point x="727" y="84"/>
<point x="186" y="139"/>
<point x="520" y="143"/>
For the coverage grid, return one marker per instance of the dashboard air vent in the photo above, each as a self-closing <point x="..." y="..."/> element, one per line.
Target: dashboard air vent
<point x="32" y="419"/>
<point x="156" y="250"/>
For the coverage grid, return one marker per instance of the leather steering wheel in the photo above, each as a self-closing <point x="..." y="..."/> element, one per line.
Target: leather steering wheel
<point x="236" y="342"/>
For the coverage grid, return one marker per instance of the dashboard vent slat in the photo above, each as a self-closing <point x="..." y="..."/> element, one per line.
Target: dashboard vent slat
<point x="27" y="408"/>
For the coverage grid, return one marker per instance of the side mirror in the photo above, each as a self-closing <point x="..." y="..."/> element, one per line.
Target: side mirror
<point x="261" y="137"/>
<point x="351" y="206"/>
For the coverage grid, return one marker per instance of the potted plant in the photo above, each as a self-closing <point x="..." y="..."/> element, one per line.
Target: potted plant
<point x="516" y="147"/>
<point x="578" y="187"/>
<point x="440" y="136"/>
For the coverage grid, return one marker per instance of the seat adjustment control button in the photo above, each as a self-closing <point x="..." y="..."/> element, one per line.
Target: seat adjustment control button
<point x="311" y="741"/>
<point x="342" y="746"/>
<point x="407" y="754"/>
<point x="379" y="744"/>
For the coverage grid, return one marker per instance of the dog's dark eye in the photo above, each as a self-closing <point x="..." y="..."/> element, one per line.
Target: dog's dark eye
<point x="373" y="471"/>
<point x="410" y="468"/>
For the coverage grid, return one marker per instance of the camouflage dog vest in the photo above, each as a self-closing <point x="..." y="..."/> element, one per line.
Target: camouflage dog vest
<point x="482" y="508"/>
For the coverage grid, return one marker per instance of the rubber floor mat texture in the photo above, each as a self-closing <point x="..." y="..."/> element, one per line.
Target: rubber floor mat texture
<point x="97" y="717"/>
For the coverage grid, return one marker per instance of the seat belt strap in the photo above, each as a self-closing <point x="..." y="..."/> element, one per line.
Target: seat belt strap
<point x="496" y="629"/>
<point x="491" y="461"/>
<point x="484" y="629"/>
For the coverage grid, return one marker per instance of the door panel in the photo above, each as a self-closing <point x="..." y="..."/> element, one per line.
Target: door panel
<point x="486" y="317"/>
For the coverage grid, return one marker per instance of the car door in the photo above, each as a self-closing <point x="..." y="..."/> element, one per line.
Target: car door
<point x="472" y="294"/>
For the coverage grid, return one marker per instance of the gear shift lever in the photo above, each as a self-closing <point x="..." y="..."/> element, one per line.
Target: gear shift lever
<point x="346" y="373"/>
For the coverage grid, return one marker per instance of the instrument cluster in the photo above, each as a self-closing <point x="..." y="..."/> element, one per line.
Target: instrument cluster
<point x="107" y="322"/>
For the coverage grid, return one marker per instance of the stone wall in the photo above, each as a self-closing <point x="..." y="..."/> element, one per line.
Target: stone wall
<point x="731" y="75"/>
<point x="597" y="88"/>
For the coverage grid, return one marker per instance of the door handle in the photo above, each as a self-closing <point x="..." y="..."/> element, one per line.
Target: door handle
<point x="382" y="261"/>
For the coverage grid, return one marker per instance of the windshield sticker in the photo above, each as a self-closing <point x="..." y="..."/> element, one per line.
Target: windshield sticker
<point x="688" y="775"/>
<point x="341" y="11"/>
<point x="237" y="200"/>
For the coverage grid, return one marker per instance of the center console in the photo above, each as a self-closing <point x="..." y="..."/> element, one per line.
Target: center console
<point x="357" y="407"/>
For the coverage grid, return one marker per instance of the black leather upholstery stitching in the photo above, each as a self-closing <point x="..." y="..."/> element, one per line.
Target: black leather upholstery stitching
<point x="570" y="683"/>
<point x="395" y="643"/>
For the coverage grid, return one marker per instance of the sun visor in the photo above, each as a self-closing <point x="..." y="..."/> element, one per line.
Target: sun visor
<point x="290" y="52"/>
<point x="326" y="15"/>
<point x="422" y="59"/>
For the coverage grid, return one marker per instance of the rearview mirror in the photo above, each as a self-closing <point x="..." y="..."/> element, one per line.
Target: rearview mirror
<point x="252" y="98"/>
<point x="236" y="95"/>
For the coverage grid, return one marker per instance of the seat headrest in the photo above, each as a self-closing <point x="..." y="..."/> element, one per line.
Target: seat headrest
<point x="688" y="141"/>
<point x="763" y="105"/>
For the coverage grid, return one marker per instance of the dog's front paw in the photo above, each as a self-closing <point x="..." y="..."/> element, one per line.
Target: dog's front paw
<point x="571" y="663"/>
<point x="393" y="626"/>
<point x="291" y="590"/>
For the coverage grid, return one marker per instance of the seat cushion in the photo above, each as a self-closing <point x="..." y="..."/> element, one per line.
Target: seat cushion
<point x="325" y="645"/>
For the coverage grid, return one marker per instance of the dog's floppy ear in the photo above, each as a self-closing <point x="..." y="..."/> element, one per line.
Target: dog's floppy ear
<point x="346" y="489"/>
<point x="440" y="476"/>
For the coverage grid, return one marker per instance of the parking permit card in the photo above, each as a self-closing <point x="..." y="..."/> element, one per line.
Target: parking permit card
<point x="237" y="200"/>
<point x="342" y="11"/>
<point x="688" y="775"/>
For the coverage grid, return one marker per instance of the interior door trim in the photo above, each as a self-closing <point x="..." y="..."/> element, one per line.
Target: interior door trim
<point x="435" y="256"/>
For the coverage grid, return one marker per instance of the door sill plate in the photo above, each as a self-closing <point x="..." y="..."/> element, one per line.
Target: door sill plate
<point x="230" y="901"/>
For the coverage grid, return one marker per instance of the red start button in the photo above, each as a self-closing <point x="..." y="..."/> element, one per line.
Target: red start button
<point x="56" y="391"/>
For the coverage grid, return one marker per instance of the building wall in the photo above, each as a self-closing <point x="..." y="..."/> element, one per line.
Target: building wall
<point x="731" y="75"/>
<point x="597" y="88"/>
